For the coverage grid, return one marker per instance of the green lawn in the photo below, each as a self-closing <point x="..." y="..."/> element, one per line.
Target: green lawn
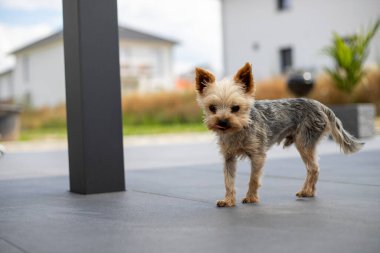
<point x="44" y="133"/>
<point x="60" y="133"/>
<point x="161" y="129"/>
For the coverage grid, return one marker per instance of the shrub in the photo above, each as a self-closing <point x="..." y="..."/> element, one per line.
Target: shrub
<point x="325" y="90"/>
<point x="166" y="108"/>
<point x="43" y="118"/>
<point x="272" y="88"/>
<point x="161" y="108"/>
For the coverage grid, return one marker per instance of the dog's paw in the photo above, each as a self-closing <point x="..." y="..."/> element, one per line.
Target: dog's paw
<point x="225" y="203"/>
<point x="305" y="194"/>
<point x="252" y="199"/>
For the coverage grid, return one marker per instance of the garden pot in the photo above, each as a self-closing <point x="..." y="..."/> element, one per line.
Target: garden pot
<point x="300" y="83"/>
<point x="357" y="119"/>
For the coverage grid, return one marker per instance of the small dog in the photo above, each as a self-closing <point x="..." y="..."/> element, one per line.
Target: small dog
<point x="248" y="128"/>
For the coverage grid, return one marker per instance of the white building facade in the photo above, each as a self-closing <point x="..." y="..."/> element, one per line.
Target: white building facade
<point x="278" y="35"/>
<point x="38" y="77"/>
<point x="6" y="85"/>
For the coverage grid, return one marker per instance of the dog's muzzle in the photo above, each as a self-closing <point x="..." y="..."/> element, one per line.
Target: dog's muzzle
<point x="223" y="124"/>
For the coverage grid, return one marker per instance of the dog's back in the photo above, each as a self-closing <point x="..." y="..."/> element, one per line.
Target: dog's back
<point x="299" y="118"/>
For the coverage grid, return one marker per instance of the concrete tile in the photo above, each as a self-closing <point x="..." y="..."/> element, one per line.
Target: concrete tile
<point x="173" y="210"/>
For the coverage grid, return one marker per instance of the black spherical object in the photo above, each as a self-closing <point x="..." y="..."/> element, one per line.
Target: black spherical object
<point x="300" y="83"/>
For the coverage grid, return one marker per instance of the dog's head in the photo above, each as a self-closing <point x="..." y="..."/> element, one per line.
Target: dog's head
<point x="226" y="103"/>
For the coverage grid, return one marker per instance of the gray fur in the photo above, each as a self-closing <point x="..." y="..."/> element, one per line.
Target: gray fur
<point x="347" y="142"/>
<point x="274" y="121"/>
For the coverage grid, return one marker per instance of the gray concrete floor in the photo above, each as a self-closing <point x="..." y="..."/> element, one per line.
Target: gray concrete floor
<point x="169" y="205"/>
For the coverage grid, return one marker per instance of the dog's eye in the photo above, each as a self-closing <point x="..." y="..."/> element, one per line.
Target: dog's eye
<point x="212" y="108"/>
<point x="235" y="108"/>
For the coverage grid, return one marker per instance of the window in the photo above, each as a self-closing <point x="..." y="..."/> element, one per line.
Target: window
<point x="284" y="4"/>
<point x="285" y="59"/>
<point x="25" y="68"/>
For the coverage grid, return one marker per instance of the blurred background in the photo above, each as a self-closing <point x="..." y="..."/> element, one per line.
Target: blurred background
<point x="328" y="50"/>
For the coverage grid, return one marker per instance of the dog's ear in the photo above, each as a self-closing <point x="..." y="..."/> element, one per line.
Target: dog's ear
<point x="244" y="77"/>
<point x="203" y="78"/>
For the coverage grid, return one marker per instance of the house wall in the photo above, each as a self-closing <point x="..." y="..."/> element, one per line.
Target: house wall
<point x="6" y="86"/>
<point x="255" y="31"/>
<point x="39" y="75"/>
<point x="136" y="55"/>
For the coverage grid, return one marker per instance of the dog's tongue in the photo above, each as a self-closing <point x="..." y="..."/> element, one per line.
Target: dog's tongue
<point x="220" y="127"/>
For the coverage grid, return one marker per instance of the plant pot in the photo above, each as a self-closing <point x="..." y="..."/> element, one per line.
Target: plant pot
<point x="300" y="83"/>
<point x="357" y="119"/>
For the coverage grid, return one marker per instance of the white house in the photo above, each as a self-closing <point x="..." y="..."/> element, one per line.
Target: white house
<point x="276" y="35"/>
<point x="38" y="77"/>
<point x="6" y="85"/>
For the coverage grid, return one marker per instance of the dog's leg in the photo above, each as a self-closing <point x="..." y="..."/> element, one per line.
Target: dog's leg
<point x="257" y="163"/>
<point x="309" y="158"/>
<point x="229" y="181"/>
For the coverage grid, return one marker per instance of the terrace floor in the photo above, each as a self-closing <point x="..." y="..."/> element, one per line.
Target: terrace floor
<point x="169" y="205"/>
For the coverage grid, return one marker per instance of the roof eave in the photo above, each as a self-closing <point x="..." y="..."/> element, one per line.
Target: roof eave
<point x="122" y="31"/>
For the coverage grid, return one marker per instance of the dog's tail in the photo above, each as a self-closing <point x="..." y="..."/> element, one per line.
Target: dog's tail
<point x="348" y="144"/>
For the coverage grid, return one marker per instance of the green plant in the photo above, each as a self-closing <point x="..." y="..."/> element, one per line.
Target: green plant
<point x="349" y="54"/>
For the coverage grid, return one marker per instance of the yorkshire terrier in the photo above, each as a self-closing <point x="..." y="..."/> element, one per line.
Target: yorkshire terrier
<point x="248" y="128"/>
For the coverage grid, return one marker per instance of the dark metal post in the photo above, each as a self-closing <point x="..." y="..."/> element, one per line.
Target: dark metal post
<point x="93" y="97"/>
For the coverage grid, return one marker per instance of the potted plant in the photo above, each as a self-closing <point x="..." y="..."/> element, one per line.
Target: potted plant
<point x="349" y="54"/>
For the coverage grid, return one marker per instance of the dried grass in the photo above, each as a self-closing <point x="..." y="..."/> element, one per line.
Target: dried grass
<point x="272" y="88"/>
<point x="181" y="107"/>
<point x="45" y="117"/>
<point x="161" y="108"/>
<point x="368" y="91"/>
<point x="325" y="91"/>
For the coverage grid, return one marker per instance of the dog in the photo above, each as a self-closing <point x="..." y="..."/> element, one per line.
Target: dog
<point x="248" y="128"/>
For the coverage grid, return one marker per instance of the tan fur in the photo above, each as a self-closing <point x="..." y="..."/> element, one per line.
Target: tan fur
<point x="203" y="77"/>
<point x="229" y="182"/>
<point x="309" y="158"/>
<point x="244" y="77"/>
<point x="247" y="129"/>
<point x="257" y="164"/>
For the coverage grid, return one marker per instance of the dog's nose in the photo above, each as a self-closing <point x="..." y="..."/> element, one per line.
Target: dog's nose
<point x="224" y="123"/>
